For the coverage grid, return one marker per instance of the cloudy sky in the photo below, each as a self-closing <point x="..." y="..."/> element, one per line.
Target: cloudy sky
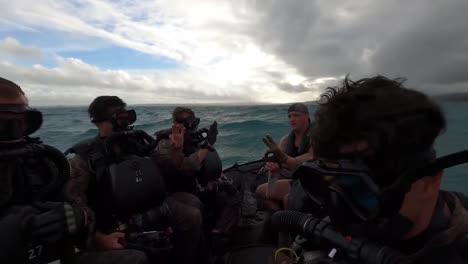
<point x="232" y="51"/>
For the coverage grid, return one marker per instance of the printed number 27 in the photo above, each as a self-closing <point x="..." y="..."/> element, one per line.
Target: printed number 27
<point x="35" y="252"/>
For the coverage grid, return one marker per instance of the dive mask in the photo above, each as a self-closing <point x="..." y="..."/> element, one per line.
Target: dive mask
<point x="28" y="121"/>
<point x="191" y="123"/>
<point x="350" y="182"/>
<point x="124" y="118"/>
<point x="349" y="179"/>
<point x="120" y="118"/>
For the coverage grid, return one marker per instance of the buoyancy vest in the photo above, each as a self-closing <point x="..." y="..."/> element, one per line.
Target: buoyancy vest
<point x="303" y="148"/>
<point x="123" y="185"/>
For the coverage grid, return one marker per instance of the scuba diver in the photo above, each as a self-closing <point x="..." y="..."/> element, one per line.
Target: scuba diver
<point x="201" y="173"/>
<point x="376" y="174"/>
<point x="274" y="194"/>
<point x="36" y="223"/>
<point x="118" y="178"/>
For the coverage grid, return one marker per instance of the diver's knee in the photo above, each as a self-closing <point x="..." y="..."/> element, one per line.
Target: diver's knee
<point x="131" y="256"/>
<point x="260" y="192"/>
<point x="187" y="198"/>
<point x="196" y="217"/>
<point x="138" y="257"/>
<point x="285" y="201"/>
<point x="191" y="218"/>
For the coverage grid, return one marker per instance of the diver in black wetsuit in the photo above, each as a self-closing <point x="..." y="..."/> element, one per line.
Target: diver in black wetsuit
<point x="376" y="174"/>
<point x="94" y="184"/>
<point x="201" y="173"/>
<point x="36" y="224"/>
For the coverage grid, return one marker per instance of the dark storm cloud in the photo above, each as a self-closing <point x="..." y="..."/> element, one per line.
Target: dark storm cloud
<point x="425" y="41"/>
<point x="293" y="88"/>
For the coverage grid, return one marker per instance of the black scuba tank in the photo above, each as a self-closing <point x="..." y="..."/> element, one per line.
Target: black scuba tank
<point x="211" y="168"/>
<point x="136" y="185"/>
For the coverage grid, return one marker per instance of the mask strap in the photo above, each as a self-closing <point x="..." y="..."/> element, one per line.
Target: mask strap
<point x="418" y="164"/>
<point x="451" y="160"/>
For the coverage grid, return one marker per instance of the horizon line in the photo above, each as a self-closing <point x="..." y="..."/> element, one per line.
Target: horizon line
<point x="442" y="96"/>
<point x="181" y="104"/>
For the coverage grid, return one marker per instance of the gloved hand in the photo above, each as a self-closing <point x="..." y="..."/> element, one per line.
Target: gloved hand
<point x="14" y="227"/>
<point x="212" y="133"/>
<point x="278" y="155"/>
<point x="56" y="221"/>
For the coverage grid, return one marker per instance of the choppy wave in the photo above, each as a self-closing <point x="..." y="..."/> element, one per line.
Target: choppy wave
<point x="241" y="129"/>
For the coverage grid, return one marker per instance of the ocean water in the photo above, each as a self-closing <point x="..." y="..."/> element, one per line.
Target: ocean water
<point x="241" y="129"/>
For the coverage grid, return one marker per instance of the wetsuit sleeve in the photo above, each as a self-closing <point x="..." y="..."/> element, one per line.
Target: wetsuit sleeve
<point x="76" y="193"/>
<point x="165" y="154"/>
<point x="191" y="164"/>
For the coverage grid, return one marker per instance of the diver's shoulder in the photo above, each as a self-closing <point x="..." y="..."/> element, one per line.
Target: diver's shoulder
<point x="163" y="133"/>
<point x="82" y="147"/>
<point x="449" y="195"/>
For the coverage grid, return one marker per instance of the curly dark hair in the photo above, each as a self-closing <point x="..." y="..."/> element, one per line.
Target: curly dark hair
<point x="98" y="110"/>
<point x="393" y="120"/>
